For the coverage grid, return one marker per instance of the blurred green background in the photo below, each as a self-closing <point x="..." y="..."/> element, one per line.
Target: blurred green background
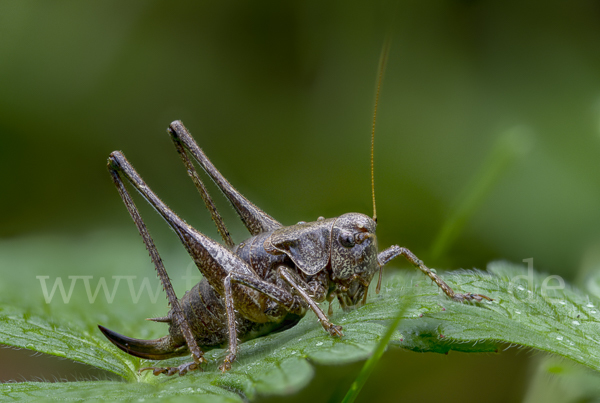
<point x="280" y="97"/>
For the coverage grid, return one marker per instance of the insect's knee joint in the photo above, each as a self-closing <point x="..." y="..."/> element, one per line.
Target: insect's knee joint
<point x="114" y="159"/>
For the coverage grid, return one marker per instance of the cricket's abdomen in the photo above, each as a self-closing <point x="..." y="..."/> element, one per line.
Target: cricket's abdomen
<point x="204" y="310"/>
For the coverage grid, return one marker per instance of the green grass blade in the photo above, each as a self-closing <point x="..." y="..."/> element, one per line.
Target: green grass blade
<point x="512" y="144"/>
<point x="370" y="364"/>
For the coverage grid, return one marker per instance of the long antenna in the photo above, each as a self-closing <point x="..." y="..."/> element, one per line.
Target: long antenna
<point x="385" y="50"/>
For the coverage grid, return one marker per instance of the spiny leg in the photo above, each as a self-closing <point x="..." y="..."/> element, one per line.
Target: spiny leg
<point x="208" y="201"/>
<point x="214" y="260"/>
<point x="395" y="250"/>
<point x="256" y="220"/>
<point x="114" y="167"/>
<point x="273" y="291"/>
<point x="231" y="325"/>
<point x="332" y="329"/>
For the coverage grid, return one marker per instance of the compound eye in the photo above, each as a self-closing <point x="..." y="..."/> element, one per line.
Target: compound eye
<point x="347" y="239"/>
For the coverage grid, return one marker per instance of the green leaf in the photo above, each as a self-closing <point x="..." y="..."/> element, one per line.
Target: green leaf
<point x="526" y="310"/>
<point x="178" y="389"/>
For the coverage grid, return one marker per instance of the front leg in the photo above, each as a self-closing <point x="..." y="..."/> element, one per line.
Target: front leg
<point x="395" y="250"/>
<point x="333" y="330"/>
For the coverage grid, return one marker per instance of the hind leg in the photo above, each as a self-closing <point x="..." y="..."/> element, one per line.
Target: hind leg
<point x="255" y="219"/>
<point x="114" y="167"/>
<point x="215" y="261"/>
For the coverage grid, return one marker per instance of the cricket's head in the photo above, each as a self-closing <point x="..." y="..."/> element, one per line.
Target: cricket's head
<point x="353" y="257"/>
<point x="353" y="241"/>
